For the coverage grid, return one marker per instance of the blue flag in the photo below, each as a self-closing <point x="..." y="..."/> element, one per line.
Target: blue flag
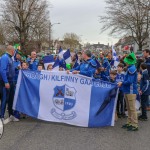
<point x="48" y="60"/>
<point x="56" y="65"/>
<point x="115" y="57"/>
<point x="67" y="57"/>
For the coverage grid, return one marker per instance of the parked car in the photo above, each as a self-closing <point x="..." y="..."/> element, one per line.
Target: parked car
<point x="139" y="54"/>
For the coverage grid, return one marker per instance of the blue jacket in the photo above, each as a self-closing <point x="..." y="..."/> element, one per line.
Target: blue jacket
<point x="105" y="64"/>
<point x="87" y="68"/>
<point x="7" y="70"/>
<point x="147" y="61"/>
<point x="129" y="85"/>
<point x="112" y="81"/>
<point x="105" y="75"/>
<point x="120" y="78"/>
<point x="97" y="76"/>
<point x="145" y="83"/>
<point x="33" y="65"/>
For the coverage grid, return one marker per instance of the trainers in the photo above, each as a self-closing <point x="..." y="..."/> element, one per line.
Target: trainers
<point x="123" y="115"/>
<point x="15" y="119"/>
<point x="10" y="119"/>
<point x="2" y="120"/>
<point x="125" y="126"/>
<point x="119" y="115"/>
<point x="142" y="118"/>
<point x="132" y="128"/>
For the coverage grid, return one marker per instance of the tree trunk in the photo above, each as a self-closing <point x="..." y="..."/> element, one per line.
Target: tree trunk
<point x="140" y="46"/>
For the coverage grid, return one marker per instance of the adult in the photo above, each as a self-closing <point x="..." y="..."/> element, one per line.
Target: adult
<point x="79" y="54"/>
<point x="7" y="74"/>
<point x="105" y="67"/>
<point x="75" y="62"/>
<point x="33" y="61"/>
<point x="146" y="55"/>
<point x="87" y="67"/>
<point x="110" y="59"/>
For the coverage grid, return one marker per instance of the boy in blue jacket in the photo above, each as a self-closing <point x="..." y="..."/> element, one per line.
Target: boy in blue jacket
<point x="129" y="87"/>
<point x="144" y="91"/>
<point x="120" y="102"/>
<point x="112" y="77"/>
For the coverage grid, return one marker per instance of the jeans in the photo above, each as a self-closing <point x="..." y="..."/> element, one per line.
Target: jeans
<point x="148" y="102"/>
<point x="120" y="103"/>
<point x="7" y="97"/>
<point x="144" y="101"/>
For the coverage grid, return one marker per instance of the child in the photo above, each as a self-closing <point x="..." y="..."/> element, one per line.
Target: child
<point x="97" y="74"/>
<point x="144" y="91"/>
<point x="129" y="87"/>
<point x="113" y="75"/>
<point x="24" y="65"/>
<point x="138" y="96"/>
<point x="120" y="102"/>
<point x="112" y="79"/>
<point x="40" y="67"/>
<point x="104" y="74"/>
<point x="61" y="69"/>
<point x="50" y="67"/>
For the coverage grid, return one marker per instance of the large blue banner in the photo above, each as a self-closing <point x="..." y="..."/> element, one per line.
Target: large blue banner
<point x="66" y="98"/>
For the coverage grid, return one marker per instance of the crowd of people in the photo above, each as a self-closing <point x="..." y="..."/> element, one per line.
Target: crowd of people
<point x="131" y="75"/>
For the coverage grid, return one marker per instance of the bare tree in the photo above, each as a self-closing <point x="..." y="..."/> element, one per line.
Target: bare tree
<point x="145" y="4"/>
<point x="25" y="19"/>
<point x="71" y="40"/>
<point x="2" y="37"/>
<point x="127" y="17"/>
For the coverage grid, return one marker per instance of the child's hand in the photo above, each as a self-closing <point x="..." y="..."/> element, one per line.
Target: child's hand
<point x="119" y="84"/>
<point x="102" y="68"/>
<point x="68" y="71"/>
<point x="75" y="72"/>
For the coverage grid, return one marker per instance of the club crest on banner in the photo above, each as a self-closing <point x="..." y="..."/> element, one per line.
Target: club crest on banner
<point x="64" y="100"/>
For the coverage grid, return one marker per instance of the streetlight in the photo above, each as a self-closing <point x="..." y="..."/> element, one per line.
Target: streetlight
<point x="50" y="26"/>
<point x="80" y="40"/>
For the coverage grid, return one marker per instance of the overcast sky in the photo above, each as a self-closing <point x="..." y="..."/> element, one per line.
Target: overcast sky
<point x="80" y="17"/>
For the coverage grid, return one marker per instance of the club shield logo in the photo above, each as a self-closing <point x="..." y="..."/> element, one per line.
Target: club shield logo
<point x="64" y="99"/>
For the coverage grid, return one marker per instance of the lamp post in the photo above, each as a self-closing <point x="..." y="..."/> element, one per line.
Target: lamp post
<point x="50" y="26"/>
<point x="81" y="42"/>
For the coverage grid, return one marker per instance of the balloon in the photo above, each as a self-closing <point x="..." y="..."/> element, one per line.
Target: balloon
<point x="126" y="47"/>
<point x="68" y="66"/>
